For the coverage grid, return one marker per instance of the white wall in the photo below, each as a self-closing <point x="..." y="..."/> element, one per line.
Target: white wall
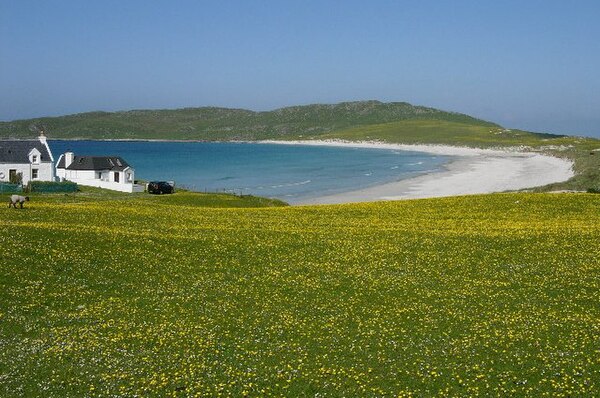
<point x="45" y="171"/>
<point x="105" y="184"/>
<point x="90" y="178"/>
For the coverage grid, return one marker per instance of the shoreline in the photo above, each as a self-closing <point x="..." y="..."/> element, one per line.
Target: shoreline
<point x="133" y="140"/>
<point x="473" y="171"/>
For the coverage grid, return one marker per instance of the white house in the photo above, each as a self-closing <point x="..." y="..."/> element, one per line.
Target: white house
<point x="30" y="158"/>
<point x="109" y="172"/>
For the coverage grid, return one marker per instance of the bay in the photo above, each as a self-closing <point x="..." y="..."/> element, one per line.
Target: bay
<point x="293" y="173"/>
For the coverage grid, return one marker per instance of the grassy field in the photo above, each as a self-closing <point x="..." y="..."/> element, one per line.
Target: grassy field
<point x="489" y="295"/>
<point x="182" y="197"/>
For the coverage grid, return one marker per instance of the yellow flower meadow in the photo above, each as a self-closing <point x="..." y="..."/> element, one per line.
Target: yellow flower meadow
<point x="489" y="295"/>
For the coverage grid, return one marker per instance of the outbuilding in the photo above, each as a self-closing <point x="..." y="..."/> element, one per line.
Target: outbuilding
<point x="109" y="172"/>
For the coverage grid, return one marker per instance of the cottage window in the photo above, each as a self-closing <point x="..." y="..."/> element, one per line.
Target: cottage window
<point x="34" y="174"/>
<point x="34" y="159"/>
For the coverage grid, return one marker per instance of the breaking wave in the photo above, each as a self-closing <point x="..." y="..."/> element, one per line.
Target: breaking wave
<point x="292" y="184"/>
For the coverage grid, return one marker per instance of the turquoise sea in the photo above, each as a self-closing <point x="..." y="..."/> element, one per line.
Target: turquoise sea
<point x="293" y="173"/>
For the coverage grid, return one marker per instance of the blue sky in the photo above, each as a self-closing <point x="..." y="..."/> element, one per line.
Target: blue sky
<point x="524" y="64"/>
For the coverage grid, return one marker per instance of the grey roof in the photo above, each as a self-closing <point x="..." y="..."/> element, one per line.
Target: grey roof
<point x="94" y="163"/>
<point x="17" y="151"/>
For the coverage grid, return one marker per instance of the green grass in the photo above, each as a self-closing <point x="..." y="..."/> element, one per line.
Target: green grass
<point x="181" y="197"/>
<point x="219" y="124"/>
<point x="431" y="131"/>
<point x="492" y="295"/>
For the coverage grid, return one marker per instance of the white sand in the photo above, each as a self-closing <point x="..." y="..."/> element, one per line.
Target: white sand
<point x="474" y="171"/>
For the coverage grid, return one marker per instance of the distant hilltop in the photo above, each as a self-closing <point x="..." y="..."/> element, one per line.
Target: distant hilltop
<point x="224" y="123"/>
<point x="361" y="120"/>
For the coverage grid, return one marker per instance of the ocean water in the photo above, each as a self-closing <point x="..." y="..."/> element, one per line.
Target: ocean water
<point x="293" y="173"/>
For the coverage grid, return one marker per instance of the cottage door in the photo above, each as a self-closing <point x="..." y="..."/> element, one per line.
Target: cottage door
<point x="116" y="176"/>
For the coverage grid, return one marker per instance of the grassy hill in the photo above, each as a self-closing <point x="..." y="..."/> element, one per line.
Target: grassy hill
<point x="492" y="295"/>
<point x="232" y="124"/>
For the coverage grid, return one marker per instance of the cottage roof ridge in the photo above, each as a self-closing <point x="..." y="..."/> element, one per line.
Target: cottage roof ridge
<point x="17" y="150"/>
<point x="94" y="162"/>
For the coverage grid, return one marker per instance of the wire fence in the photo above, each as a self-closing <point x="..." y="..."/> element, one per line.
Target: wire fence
<point x="233" y="191"/>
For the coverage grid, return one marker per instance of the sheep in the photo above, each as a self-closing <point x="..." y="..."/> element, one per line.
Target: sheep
<point x="14" y="199"/>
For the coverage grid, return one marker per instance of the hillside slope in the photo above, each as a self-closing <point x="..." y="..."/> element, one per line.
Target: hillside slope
<point x="229" y="124"/>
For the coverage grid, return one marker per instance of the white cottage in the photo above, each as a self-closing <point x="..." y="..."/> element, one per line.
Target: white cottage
<point x="109" y="172"/>
<point x="30" y="158"/>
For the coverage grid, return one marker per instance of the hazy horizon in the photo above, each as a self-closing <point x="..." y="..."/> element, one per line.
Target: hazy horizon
<point x="528" y="65"/>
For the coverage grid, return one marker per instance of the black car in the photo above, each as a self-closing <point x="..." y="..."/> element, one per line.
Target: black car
<point x="160" y="187"/>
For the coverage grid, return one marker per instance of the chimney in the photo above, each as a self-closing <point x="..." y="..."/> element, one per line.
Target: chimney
<point x="42" y="137"/>
<point x="69" y="158"/>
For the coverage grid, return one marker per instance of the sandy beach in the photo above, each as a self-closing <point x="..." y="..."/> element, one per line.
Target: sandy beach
<point x="474" y="171"/>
